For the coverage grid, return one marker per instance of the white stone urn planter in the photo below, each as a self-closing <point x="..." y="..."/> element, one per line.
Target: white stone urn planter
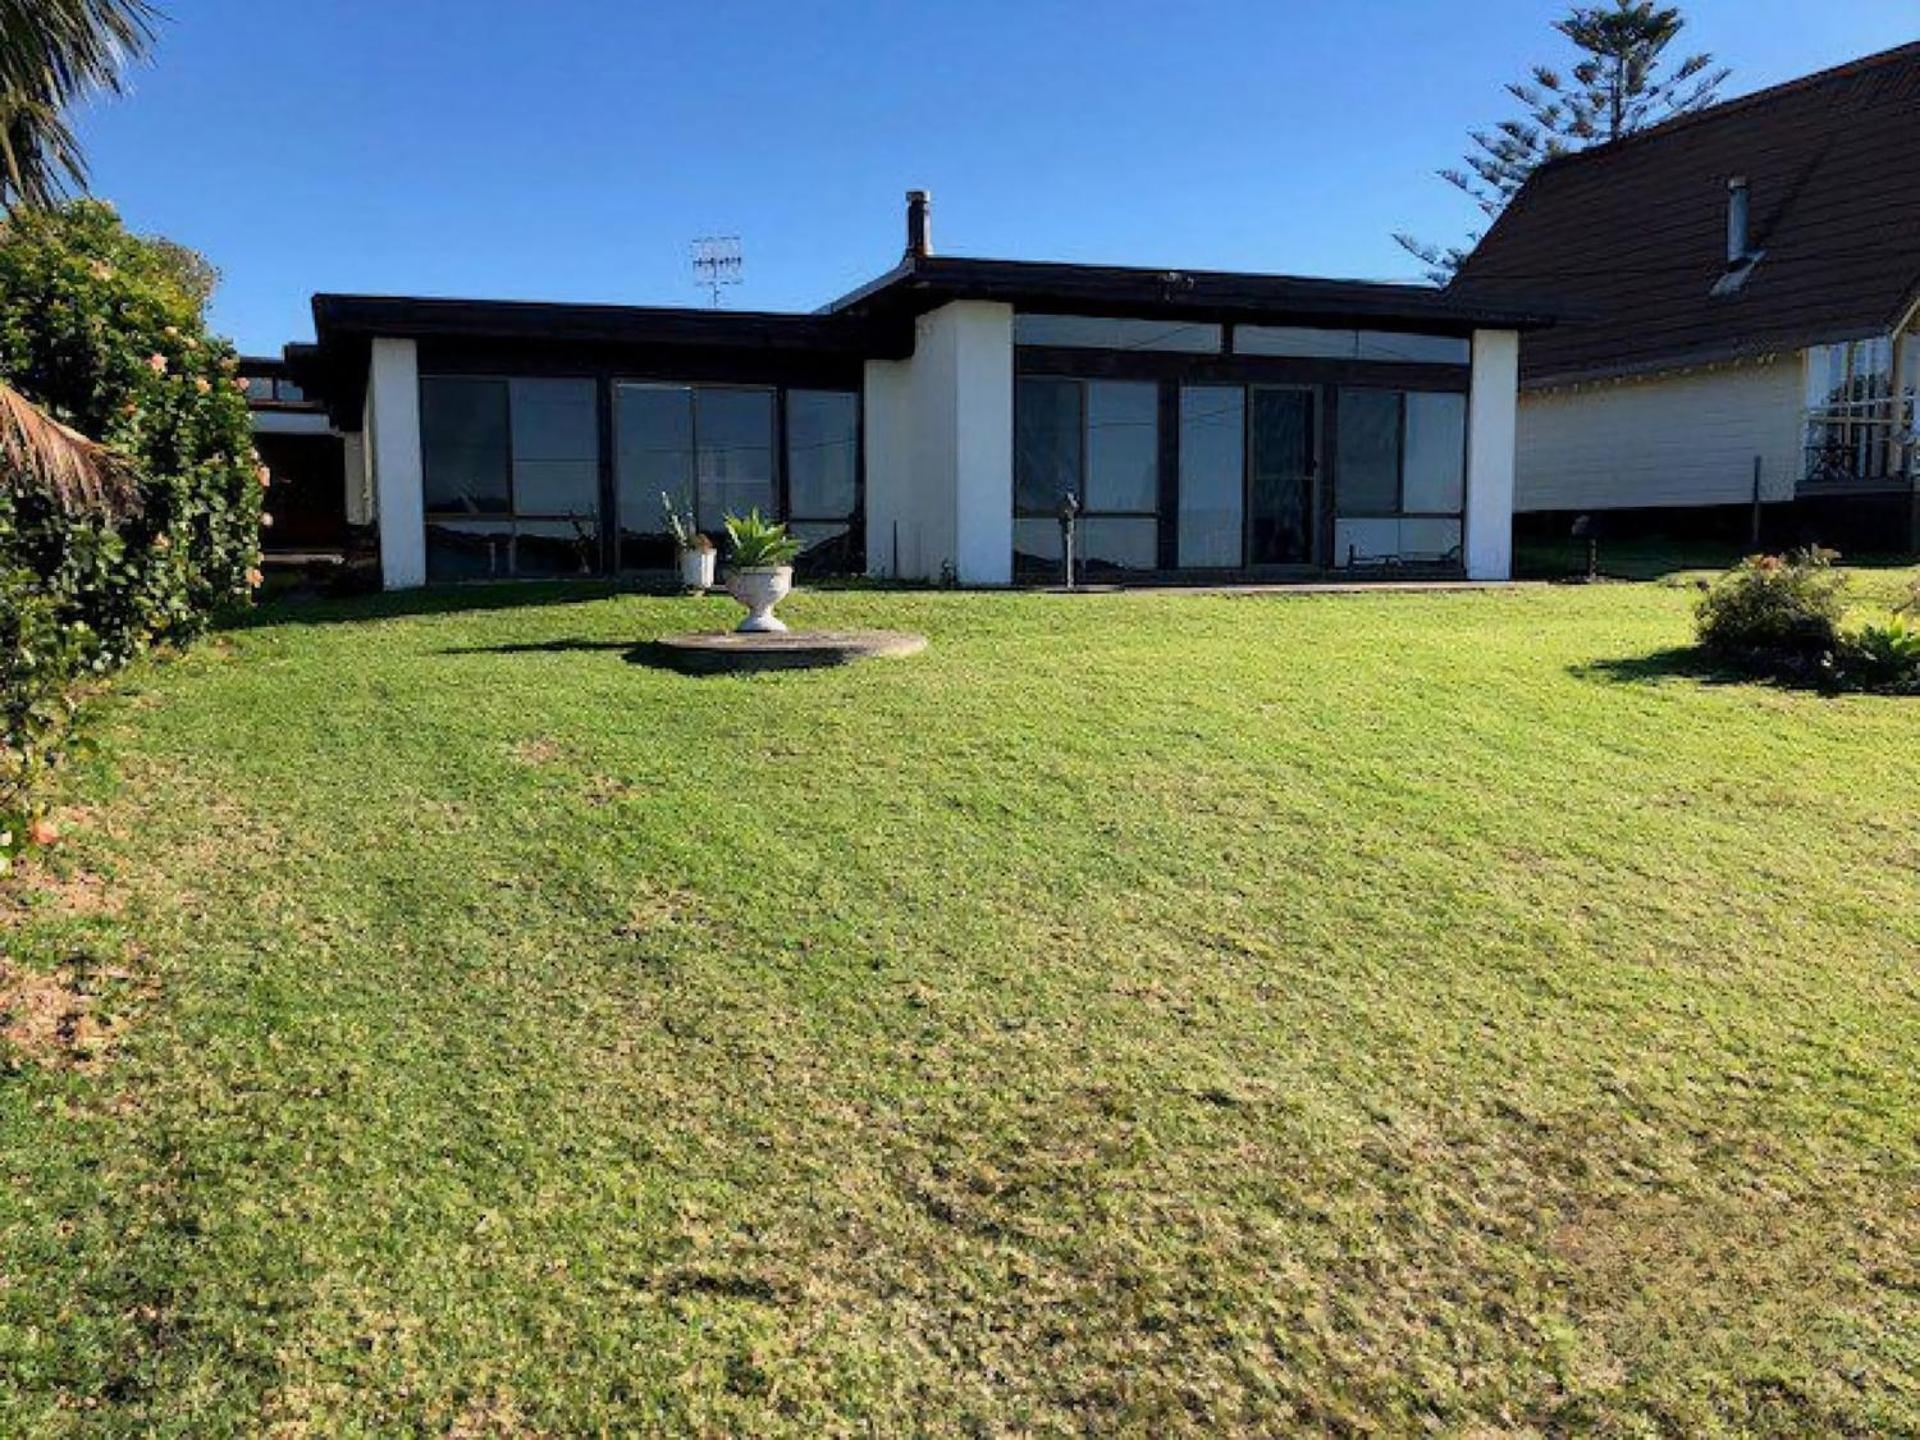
<point x="760" y="588"/>
<point x="696" y="569"/>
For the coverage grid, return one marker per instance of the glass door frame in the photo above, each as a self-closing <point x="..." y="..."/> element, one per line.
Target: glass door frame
<point x="1316" y="471"/>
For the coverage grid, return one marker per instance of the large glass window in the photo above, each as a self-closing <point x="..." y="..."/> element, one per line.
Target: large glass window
<point x="556" y="447"/>
<point x="1213" y="473"/>
<point x="712" y="450"/>
<point x="823" y="462"/>
<point x="464" y="452"/>
<point x="1400" y="477"/>
<point x="1048" y="426"/>
<point x="510" y="476"/>
<point x="733" y="452"/>
<point x="1100" y="440"/>
<point x="823" y="475"/>
<point x="1123" y="447"/>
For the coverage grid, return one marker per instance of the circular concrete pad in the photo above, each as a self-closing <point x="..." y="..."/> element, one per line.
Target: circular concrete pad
<point x="731" y="652"/>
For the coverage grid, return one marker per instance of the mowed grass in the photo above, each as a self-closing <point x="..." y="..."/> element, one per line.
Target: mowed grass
<point x="1155" y="1014"/>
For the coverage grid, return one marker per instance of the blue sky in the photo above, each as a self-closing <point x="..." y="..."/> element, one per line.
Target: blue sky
<point x="570" y="150"/>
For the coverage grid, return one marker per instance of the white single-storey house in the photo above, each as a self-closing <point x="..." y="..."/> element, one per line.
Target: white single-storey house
<point x="1737" y="292"/>
<point x="930" y="425"/>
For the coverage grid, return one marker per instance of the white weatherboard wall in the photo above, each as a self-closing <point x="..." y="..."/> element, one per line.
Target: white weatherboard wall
<point x="392" y="430"/>
<point x="1491" y="410"/>
<point x="1677" y="439"/>
<point x="939" y="432"/>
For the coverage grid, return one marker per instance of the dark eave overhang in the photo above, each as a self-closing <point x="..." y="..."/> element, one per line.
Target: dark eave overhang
<point x="924" y="283"/>
<point x="345" y="326"/>
<point x="875" y="321"/>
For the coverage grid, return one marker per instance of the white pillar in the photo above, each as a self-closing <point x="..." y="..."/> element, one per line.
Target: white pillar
<point x="980" y="433"/>
<point x="393" y="438"/>
<point x="1491" y="411"/>
<point x="887" y="428"/>
<point x="939" y="432"/>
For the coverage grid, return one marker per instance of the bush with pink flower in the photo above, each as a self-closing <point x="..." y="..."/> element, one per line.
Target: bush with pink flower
<point x="105" y="330"/>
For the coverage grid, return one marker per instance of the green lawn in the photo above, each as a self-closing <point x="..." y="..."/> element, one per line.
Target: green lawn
<point x="1376" y="1014"/>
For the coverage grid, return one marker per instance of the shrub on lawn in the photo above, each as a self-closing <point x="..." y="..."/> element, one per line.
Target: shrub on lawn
<point x="1772" y="612"/>
<point x="1781" y="616"/>
<point x="1882" y="655"/>
<point x="105" y="331"/>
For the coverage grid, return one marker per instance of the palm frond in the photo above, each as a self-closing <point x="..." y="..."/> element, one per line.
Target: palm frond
<point x="78" y="474"/>
<point x="54" y="53"/>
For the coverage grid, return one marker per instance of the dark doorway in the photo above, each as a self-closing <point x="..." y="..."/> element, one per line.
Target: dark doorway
<point x="1280" y="476"/>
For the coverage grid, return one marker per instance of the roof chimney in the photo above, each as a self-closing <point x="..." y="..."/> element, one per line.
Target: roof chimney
<point x="1737" y="246"/>
<point x="919" y="224"/>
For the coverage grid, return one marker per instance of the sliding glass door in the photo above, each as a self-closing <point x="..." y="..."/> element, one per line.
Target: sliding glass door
<point x="717" y="450"/>
<point x="1247" y="466"/>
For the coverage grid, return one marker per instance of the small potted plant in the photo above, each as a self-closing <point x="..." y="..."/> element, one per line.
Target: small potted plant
<point x="695" y="550"/>
<point x="760" y="570"/>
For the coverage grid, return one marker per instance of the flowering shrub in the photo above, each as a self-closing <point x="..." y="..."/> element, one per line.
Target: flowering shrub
<point x="1782" y="616"/>
<point x="1771" y="611"/>
<point x="104" y="330"/>
<point x="36" y="671"/>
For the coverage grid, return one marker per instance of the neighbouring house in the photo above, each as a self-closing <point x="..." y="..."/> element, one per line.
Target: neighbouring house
<point x="309" y="499"/>
<point x="927" y="426"/>
<point x="1737" y="292"/>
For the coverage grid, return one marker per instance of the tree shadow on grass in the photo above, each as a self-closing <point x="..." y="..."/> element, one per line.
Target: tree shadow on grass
<point x="1676" y="662"/>
<point x="1689" y="662"/>
<point x="569" y="646"/>
<point x="310" y="609"/>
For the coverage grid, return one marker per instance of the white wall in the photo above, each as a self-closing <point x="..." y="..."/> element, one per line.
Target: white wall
<point x="1679" y="439"/>
<point x="887" y="417"/>
<point x="939" y="431"/>
<point x="392" y="429"/>
<point x="1490" y="454"/>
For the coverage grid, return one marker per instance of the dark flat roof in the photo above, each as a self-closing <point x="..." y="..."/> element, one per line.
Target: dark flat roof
<point x="876" y="321"/>
<point x="924" y="282"/>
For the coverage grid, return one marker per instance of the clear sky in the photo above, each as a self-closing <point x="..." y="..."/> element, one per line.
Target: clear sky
<point x="570" y="149"/>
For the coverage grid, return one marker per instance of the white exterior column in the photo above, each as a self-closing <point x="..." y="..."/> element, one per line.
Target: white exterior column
<point x="887" y="420"/>
<point x="978" y="429"/>
<point x="1491" y="411"/>
<point x="939" y="433"/>
<point x="392" y="430"/>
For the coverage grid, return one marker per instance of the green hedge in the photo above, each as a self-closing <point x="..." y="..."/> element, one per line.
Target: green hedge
<point x="106" y="331"/>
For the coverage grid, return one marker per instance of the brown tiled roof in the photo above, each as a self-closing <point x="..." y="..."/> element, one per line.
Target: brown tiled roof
<point x="1627" y="240"/>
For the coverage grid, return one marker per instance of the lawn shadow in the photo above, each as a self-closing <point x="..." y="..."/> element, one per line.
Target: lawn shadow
<point x="306" y="608"/>
<point x="1689" y="662"/>
<point x="571" y="646"/>
<point x="649" y="654"/>
<point x="1676" y="662"/>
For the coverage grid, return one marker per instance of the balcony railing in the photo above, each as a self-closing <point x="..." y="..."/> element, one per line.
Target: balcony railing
<point x="1861" y="445"/>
